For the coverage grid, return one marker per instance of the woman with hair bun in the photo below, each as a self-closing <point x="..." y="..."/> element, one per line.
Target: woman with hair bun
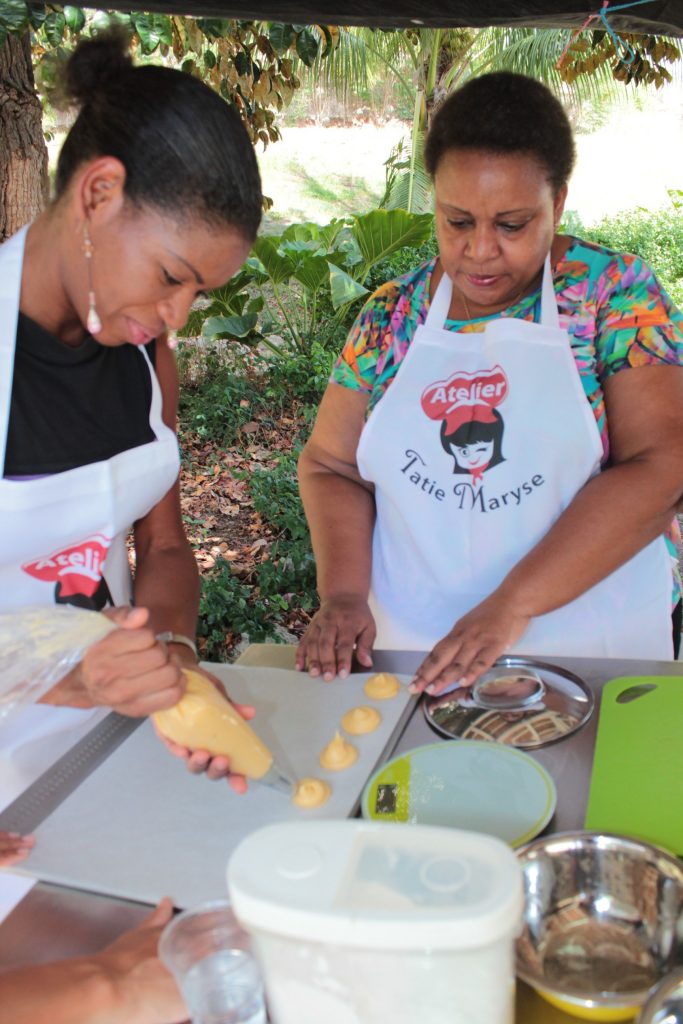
<point x="496" y="462"/>
<point x="158" y="198"/>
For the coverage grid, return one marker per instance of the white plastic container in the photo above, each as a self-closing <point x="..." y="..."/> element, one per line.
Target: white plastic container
<point x="359" y="922"/>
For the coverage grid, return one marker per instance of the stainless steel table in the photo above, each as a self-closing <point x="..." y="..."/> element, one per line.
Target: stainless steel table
<point x="53" y="922"/>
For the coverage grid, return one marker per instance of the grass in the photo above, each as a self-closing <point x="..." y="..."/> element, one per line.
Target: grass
<point x="316" y="173"/>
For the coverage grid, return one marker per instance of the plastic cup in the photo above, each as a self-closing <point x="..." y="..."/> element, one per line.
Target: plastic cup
<point x="206" y="950"/>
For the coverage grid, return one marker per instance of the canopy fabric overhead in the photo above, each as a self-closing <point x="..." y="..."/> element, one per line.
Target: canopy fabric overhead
<point x="658" y="17"/>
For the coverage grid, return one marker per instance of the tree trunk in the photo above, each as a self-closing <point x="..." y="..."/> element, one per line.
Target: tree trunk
<point x="23" y="153"/>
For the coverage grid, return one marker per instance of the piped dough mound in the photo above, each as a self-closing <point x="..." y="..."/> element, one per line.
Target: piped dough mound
<point x="310" y="792"/>
<point x="338" y="754"/>
<point x="382" y="686"/>
<point x="360" y="720"/>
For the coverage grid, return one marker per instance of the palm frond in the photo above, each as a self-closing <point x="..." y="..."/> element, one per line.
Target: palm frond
<point x="415" y="195"/>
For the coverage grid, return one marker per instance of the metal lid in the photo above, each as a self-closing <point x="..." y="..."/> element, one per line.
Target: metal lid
<point x="520" y="702"/>
<point x="665" y="1002"/>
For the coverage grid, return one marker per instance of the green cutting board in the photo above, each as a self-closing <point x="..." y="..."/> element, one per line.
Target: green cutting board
<point x="637" y="780"/>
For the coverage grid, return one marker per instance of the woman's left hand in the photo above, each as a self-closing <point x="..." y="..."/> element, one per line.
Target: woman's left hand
<point x="199" y="761"/>
<point x="471" y="647"/>
<point x="14" y="848"/>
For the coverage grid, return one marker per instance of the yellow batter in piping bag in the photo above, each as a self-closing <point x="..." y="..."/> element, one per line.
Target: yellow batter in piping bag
<point x="204" y="719"/>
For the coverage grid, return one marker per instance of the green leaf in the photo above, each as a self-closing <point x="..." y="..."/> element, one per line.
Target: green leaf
<point x="209" y="59"/>
<point x="75" y="18"/>
<point x="188" y="66"/>
<point x="420" y="194"/>
<point x="223" y="299"/>
<point x="54" y="27"/>
<point x="302" y="232"/>
<point x="256" y="270"/>
<point x="153" y="29"/>
<point x="242" y="62"/>
<point x="382" y="232"/>
<point x="330" y="232"/>
<point x="299" y="245"/>
<point x="313" y="272"/>
<point x="281" y="37"/>
<point x="346" y="245"/>
<point x="37" y="14"/>
<point x="343" y="288"/>
<point x="256" y="305"/>
<point x="14" y="17"/>
<point x="214" y="28"/>
<point x="307" y="46"/>
<point x="229" y="326"/>
<point x="278" y="268"/>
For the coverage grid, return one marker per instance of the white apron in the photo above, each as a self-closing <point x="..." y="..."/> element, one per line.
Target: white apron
<point x="63" y="533"/>
<point x="452" y="523"/>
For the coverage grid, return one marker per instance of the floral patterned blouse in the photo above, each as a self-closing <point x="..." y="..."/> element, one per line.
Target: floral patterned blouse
<point x="615" y="311"/>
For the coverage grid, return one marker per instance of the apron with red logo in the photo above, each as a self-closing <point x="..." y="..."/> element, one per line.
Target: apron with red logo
<point x="477" y="447"/>
<point x="63" y="540"/>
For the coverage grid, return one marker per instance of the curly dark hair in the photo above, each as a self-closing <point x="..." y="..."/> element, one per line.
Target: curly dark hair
<point x="185" y="150"/>
<point x="504" y="113"/>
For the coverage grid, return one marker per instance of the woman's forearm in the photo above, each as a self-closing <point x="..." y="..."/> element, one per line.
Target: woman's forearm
<point x="341" y="516"/>
<point x="67" y="992"/>
<point x="167" y="583"/>
<point x="614" y="516"/>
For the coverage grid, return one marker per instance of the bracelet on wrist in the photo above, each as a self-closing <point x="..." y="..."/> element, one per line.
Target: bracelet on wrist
<point x="178" y="638"/>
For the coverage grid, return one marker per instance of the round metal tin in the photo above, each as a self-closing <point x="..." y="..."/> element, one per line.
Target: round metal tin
<point x="563" y="704"/>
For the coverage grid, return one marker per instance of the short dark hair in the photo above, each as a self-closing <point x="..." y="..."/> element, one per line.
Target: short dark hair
<point x="185" y="150"/>
<point x="504" y="113"/>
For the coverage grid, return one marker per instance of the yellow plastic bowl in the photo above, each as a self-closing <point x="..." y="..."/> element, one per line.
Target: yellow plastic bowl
<point x="579" y="1009"/>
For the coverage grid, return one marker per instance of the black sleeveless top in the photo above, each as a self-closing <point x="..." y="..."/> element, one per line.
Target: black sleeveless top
<point x="74" y="406"/>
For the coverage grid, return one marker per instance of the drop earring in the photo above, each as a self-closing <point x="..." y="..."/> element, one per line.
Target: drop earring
<point x="93" y="322"/>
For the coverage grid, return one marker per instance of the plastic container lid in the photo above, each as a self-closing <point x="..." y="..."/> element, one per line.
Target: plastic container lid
<point x="377" y="885"/>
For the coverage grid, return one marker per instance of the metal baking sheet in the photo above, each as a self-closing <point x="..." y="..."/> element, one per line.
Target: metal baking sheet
<point x="566" y="706"/>
<point x="141" y="826"/>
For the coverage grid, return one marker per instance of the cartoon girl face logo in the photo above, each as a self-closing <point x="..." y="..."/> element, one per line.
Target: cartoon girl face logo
<point x="471" y="426"/>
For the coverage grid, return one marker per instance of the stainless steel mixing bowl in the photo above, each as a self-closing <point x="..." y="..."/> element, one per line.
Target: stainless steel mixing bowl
<point x="603" y="921"/>
<point x="665" y="1003"/>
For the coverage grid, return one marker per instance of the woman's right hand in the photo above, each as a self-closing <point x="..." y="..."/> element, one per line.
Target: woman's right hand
<point x="129" y="670"/>
<point x="340" y="624"/>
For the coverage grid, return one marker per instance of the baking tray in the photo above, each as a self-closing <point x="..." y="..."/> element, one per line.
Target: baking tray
<point x="141" y="826"/>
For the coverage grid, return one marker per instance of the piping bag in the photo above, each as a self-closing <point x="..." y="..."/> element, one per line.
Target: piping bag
<point x="204" y="719"/>
<point x="39" y="646"/>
